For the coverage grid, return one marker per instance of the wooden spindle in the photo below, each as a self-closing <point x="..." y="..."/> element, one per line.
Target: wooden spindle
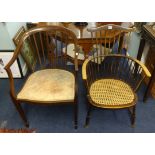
<point x="36" y="46"/>
<point x="92" y="45"/>
<point x="119" y="43"/>
<point x="105" y="42"/>
<point x="97" y="52"/>
<point x="61" y="54"/>
<point x="56" y="50"/>
<point x="42" y="47"/>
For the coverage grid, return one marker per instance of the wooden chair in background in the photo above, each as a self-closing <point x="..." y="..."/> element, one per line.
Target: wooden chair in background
<point x="109" y="39"/>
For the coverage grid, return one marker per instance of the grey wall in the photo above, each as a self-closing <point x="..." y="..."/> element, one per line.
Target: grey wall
<point x="7" y="32"/>
<point x="13" y="27"/>
<point x="134" y="44"/>
<point x="5" y="40"/>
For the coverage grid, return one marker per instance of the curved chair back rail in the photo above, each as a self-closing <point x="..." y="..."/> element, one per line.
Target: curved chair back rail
<point x="109" y="39"/>
<point x="110" y="26"/>
<point x="49" y="45"/>
<point x="114" y="66"/>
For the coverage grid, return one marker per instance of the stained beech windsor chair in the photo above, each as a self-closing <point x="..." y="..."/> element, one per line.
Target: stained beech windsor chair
<point x="112" y="78"/>
<point x="113" y="83"/>
<point x="52" y="80"/>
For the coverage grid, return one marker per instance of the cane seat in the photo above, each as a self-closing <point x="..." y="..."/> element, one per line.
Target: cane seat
<point x="112" y="93"/>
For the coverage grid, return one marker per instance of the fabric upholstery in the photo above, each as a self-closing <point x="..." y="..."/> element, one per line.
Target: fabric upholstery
<point x="49" y="85"/>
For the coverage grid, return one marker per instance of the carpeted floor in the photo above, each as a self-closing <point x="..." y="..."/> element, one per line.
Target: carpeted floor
<point x="58" y="119"/>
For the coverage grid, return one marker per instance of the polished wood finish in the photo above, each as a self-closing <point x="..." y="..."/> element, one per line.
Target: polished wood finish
<point x="148" y="34"/>
<point x="46" y="40"/>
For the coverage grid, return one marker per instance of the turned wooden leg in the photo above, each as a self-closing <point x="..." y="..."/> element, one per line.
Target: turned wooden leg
<point x="75" y="116"/>
<point x="20" y="111"/>
<point x="88" y="115"/>
<point x="133" y="115"/>
<point x="76" y="103"/>
<point x="149" y="86"/>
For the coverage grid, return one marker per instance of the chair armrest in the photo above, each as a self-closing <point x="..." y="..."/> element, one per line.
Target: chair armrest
<point x="10" y="75"/>
<point x="146" y="71"/>
<point x="84" y="74"/>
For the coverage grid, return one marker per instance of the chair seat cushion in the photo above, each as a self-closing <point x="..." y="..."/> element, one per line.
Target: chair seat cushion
<point x="49" y="86"/>
<point x="111" y="93"/>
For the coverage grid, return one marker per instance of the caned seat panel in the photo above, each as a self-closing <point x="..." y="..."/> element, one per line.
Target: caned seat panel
<point x="111" y="93"/>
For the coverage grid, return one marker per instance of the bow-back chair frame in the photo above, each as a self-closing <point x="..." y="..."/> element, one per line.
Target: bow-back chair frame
<point x="50" y="48"/>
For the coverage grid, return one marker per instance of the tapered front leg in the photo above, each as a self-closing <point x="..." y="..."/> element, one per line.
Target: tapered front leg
<point x="20" y="111"/>
<point x="132" y="111"/>
<point x="75" y="116"/>
<point x="88" y="115"/>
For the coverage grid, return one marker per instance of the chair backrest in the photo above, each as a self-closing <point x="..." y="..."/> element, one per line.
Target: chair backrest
<point x="49" y="47"/>
<point x="109" y="39"/>
<point x="115" y="66"/>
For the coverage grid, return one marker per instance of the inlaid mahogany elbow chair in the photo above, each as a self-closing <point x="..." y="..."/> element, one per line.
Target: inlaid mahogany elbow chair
<point x="51" y="80"/>
<point x="111" y="77"/>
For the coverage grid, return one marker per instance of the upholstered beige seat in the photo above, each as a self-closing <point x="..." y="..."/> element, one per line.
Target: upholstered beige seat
<point x="113" y="93"/>
<point x="49" y="85"/>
